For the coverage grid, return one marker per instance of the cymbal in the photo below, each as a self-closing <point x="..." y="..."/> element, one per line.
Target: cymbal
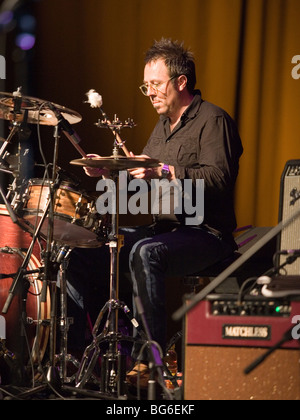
<point x="116" y="162"/>
<point x="38" y="110"/>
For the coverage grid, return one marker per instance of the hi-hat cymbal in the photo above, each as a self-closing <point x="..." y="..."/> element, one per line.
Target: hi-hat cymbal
<point x="39" y="111"/>
<point x="116" y="162"/>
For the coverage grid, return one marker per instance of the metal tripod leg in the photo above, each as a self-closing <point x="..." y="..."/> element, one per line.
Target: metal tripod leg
<point x="109" y="382"/>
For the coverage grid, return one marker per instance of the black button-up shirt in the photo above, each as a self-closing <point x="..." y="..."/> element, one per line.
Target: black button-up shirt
<point x="204" y="145"/>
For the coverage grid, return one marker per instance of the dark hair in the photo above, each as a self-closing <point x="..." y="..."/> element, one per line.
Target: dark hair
<point x="178" y="59"/>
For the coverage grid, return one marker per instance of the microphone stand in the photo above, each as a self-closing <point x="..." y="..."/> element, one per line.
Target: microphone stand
<point x="155" y="362"/>
<point x="177" y="315"/>
<point x="287" y="336"/>
<point x="13" y="131"/>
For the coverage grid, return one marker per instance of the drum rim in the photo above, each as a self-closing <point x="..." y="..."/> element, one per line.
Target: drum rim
<point x="44" y="183"/>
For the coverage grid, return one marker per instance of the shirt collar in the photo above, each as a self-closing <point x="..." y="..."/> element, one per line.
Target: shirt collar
<point x="192" y="109"/>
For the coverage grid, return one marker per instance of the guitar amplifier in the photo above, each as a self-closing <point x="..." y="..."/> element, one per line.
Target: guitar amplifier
<point x="289" y="239"/>
<point x="224" y="337"/>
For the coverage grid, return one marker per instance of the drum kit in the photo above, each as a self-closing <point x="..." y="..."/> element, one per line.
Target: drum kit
<point x="41" y="221"/>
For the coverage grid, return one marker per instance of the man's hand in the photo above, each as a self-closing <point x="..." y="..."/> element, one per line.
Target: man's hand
<point x="149" y="173"/>
<point x="96" y="172"/>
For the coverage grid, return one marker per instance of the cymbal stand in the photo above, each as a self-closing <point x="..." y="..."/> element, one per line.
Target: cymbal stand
<point x="64" y="322"/>
<point x="112" y="359"/>
<point x="113" y="369"/>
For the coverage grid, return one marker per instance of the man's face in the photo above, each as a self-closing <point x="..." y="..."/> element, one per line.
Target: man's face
<point x="161" y="90"/>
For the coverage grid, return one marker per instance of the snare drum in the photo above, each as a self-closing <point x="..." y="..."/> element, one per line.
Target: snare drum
<point x="31" y="345"/>
<point x="76" y="220"/>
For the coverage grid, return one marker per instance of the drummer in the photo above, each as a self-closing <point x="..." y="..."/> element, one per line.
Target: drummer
<point x="193" y="139"/>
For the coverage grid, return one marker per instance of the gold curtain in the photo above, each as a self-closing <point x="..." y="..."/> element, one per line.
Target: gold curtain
<point x="243" y="50"/>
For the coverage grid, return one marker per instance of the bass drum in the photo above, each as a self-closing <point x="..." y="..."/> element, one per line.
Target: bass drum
<point x="16" y="235"/>
<point x="24" y="329"/>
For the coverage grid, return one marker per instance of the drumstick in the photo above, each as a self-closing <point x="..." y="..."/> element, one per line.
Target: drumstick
<point x="76" y="145"/>
<point x="67" y="129"/>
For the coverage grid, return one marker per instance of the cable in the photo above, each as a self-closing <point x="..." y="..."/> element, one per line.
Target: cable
<point x="161" y="381"/>
<point x="240" y="294"/>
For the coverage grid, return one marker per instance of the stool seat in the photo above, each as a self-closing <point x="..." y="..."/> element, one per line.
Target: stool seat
<point x="254" y="267"/>
<point x="216" y="269"/>
<point x="199" y="280"/>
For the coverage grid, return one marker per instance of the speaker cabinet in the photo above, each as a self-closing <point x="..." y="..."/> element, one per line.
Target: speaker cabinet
<point x="289" y="203"/>
<point x="214" y="364"/>
<point x="216" y="373"/>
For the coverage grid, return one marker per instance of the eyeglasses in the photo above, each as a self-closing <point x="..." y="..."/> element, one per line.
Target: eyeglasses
<point x="154" y="86"/>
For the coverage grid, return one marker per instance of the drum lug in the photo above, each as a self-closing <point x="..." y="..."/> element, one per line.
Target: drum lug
<point x="77" y="208"/>
<point x="21" y="199"/>
<point x="31" y="321"/>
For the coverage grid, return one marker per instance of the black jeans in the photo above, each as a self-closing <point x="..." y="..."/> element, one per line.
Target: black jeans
<point x="150" y="254"/>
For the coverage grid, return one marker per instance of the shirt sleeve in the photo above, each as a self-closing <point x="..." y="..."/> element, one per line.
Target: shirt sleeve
<point x="219" y="152"/>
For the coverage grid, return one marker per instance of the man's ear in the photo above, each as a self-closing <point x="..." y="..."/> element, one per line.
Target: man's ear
<point x="182" y="82"/>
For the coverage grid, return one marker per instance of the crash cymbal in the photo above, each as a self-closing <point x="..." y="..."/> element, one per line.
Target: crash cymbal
<point x="39" y="111"/>
<point x="116" y="162"/>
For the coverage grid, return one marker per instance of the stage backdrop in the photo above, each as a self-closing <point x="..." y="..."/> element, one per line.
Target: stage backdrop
<point x="244" y="51"/>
